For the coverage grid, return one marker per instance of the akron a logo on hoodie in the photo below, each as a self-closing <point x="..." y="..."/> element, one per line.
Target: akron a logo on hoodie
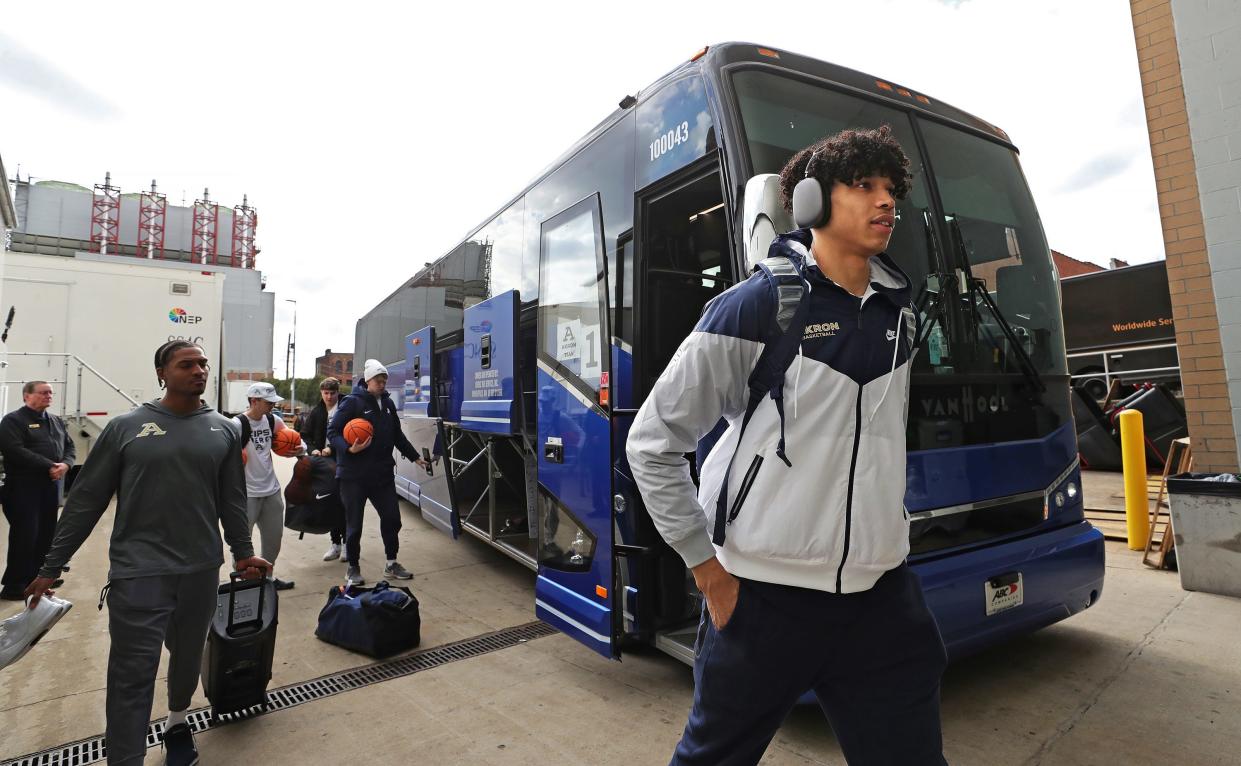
<point x="821" y="330"/>
<point x="150" y="429"/>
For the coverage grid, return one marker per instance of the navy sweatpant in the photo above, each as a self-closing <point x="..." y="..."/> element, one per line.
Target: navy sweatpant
<point x="30" y="505"/>
<point x="382" y="494"/>
<point x="873" y="659"/>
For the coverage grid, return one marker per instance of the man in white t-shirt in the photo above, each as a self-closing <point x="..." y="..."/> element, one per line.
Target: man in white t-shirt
<point x="264" y="503"/>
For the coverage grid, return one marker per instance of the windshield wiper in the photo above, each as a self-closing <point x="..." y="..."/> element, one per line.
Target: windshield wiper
<point x="978" y="288"/>
<point x="944" y="284"/>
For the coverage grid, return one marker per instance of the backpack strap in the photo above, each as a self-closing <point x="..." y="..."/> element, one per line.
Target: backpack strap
<point x="244" y="419"/>
<point x="784" y="278"/>
<point x="271" y="423"/>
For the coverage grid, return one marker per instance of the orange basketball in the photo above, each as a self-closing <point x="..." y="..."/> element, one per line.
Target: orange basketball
<point x="286" y="442"/>
<point x="358" y="430"/>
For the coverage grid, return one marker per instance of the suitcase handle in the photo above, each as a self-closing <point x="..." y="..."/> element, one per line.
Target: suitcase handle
<point x="233" y="578"/>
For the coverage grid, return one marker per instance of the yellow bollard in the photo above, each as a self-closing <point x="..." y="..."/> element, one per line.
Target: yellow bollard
<point x="1133" y="458"/>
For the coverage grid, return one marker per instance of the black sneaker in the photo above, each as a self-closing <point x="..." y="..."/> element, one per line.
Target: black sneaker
<point x="179" y="746"/>
<point x="283" y="584"/>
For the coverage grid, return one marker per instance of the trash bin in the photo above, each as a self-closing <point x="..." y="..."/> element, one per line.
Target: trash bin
<point x="1206" y="519"/>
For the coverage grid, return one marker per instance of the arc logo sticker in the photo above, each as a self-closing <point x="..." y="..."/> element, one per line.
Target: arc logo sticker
<point x="150" y="429"/>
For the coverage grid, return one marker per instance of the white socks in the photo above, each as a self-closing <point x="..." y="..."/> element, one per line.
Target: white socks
<point x="391" y="562"/>
<point x="175" y="717"/>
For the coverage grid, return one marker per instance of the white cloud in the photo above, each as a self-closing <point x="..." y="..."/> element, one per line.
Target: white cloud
<point x="373" y="138"/>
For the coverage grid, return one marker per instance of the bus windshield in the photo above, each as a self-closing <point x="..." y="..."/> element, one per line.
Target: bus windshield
<point x="998" y="267"/>
<point x="996" y="241"/>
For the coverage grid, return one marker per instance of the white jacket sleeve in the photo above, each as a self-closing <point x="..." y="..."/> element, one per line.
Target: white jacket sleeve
<point x="707" y="379"/>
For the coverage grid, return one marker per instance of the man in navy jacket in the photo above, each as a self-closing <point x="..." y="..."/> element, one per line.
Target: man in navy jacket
<point x="365" y="468"/>
<point x="804" y="583"/>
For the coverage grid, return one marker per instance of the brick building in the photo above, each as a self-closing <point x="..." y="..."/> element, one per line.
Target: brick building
<point x="1067" y="266"/>
<point x="1189" y="54"/>
<point x="338" y="364"/>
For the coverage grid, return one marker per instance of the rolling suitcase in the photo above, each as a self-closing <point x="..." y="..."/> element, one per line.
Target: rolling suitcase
<point x="240" y="645"/>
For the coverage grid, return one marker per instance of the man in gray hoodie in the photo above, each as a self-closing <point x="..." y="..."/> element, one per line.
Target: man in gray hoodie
<point x="175" y="468"/>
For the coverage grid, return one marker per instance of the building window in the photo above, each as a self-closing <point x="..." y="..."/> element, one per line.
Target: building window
<point x="338" y="365"/>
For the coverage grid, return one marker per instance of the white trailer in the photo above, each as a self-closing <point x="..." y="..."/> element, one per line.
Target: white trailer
<point x="90" y="327"/>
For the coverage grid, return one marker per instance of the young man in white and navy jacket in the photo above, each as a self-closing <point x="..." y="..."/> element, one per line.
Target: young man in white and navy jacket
<point x="805" y="581"/>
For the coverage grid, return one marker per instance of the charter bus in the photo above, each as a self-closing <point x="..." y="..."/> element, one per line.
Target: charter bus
<point x="525" y="352"/>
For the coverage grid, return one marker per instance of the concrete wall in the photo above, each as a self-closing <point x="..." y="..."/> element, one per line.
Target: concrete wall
<point x="1191" y="84"/>
<point x="1208" y="36"/>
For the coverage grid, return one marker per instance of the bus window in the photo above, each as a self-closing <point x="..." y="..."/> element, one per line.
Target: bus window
<point x="685" y="263"/>
<point x="622" y="287"/>
<point x="570" y="323"/>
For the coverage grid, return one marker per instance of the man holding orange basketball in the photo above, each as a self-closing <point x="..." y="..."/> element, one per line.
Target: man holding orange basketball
<point x="364" y="465"/>
<point x="264" y="503"/>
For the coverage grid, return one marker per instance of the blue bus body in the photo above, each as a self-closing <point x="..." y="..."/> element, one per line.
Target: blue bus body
<point x="529" y="347"/>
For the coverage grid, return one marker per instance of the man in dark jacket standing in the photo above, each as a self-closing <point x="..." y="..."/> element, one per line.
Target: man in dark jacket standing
<point x="365" y="468"/>
<point x="314" y="433"/>
<point x="38" y="452"/>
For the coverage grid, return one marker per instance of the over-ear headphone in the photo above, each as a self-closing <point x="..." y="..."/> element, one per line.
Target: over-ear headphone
<point x="812" y="205"/>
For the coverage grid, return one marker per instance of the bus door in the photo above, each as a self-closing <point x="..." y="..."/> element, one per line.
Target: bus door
<point x="574" y="589"/>
<point x="420" y="419"/>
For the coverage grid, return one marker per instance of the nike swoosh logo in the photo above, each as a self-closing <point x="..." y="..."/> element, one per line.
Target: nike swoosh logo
<point x="320" y="497"/>
<point x="213" y="428"/>
<point x="891" y="335"/>
<point x="367" y="412"/>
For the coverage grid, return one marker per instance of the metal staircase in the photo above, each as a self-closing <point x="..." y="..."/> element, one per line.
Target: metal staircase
<point x="83" y="428"/>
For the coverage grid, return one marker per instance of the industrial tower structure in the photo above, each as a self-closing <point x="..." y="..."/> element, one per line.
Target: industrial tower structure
<point x="152" y="211"/>
<point x="206" y="229"/>
<point x="105" y="217"/>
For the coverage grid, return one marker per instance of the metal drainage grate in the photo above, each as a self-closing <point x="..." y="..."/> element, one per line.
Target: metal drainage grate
<point x="93" y="750"/>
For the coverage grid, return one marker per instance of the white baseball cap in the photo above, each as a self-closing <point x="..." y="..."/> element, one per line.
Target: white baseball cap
<point x="263" y="391"/>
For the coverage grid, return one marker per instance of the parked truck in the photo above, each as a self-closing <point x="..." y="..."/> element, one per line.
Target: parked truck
<point x="90" y="325"/>
<point x="1118" y="327"/>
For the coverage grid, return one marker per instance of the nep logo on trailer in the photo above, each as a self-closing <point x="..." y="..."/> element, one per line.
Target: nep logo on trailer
<point x="181" y="316"/>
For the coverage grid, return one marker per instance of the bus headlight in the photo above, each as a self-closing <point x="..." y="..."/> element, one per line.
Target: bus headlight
<point x="1059" y="499"/>
<point x="1071" y="489"/>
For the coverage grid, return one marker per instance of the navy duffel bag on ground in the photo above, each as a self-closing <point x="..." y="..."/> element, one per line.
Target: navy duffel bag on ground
<point x="379" y="621"/>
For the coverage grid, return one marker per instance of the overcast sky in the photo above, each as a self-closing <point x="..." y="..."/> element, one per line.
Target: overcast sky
<point x="373" y="137"/>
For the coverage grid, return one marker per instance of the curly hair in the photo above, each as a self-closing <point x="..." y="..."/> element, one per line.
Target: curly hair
<point x="846" y="157"/>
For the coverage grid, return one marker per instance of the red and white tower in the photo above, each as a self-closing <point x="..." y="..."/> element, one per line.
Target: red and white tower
<point x="152" y="208"/>
<point x="105" y="216"/>
<point x="206" y="228"/>
<point x="245" y="221"/>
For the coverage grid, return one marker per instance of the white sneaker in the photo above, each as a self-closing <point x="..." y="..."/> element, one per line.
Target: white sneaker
<point x="333" y="552"/>
<point x="23" y="630"/>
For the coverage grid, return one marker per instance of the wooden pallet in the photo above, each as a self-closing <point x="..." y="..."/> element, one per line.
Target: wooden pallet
<point x="1113" y="526"/>
<point x="1180" y="460"/>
